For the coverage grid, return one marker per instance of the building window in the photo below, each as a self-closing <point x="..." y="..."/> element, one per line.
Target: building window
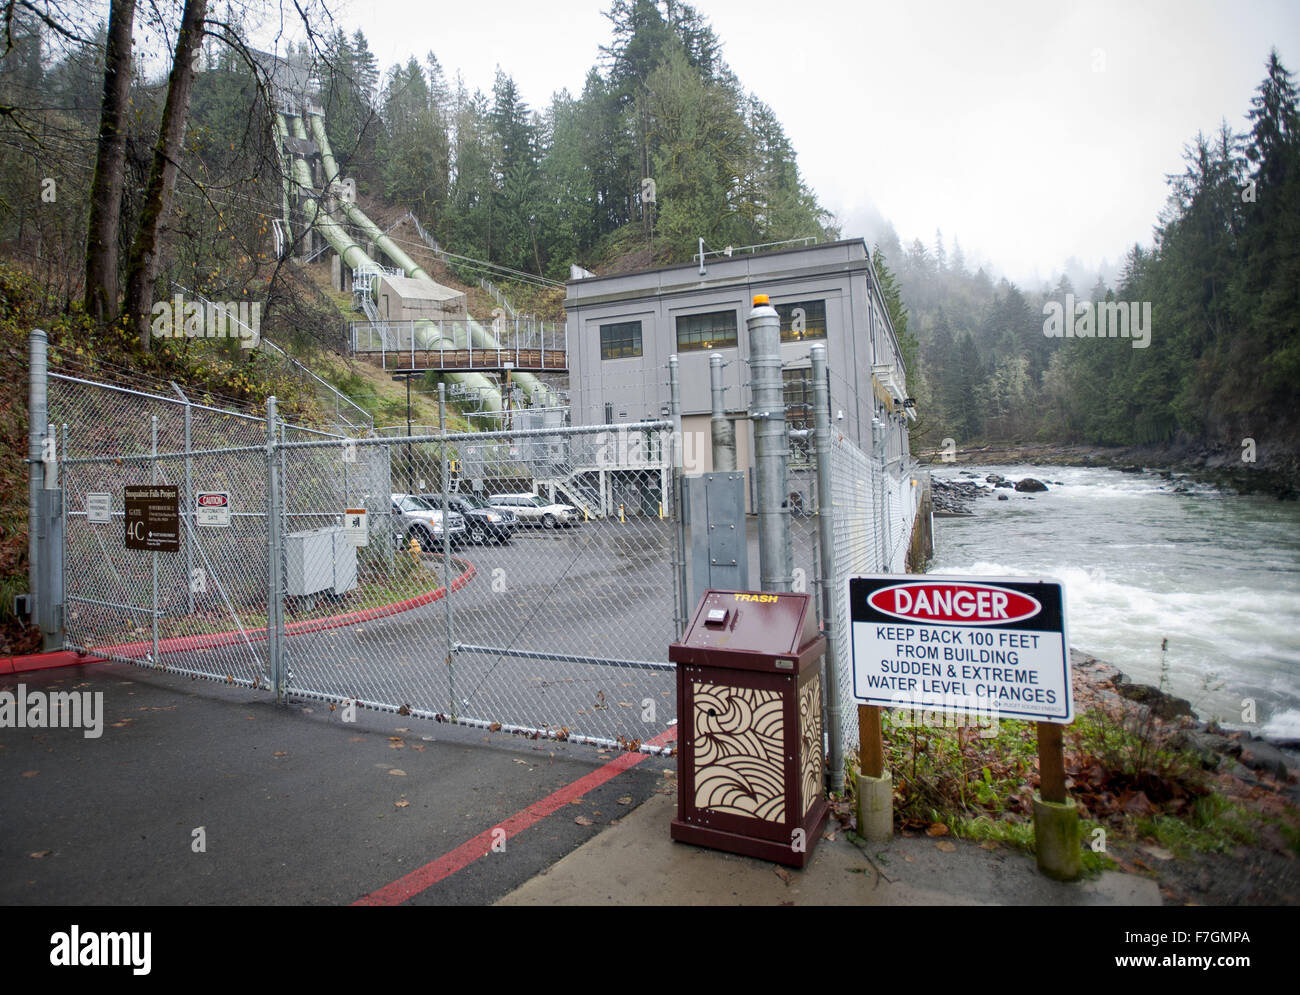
<point x="715" y="330"/>
<point x="621" y="340"/>
<point x="808" y="323"/>
<point x="798" y="397"/>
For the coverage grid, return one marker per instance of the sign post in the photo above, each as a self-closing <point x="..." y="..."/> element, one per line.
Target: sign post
<point x="971" y="646"/>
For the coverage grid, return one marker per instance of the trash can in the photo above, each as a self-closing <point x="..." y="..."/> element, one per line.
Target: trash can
<point x="750" y="774"/>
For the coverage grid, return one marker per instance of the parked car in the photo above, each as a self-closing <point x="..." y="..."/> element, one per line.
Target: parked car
<point x="534" y="510"/>
<point x="417" y="519"/>
<point x="483" y="523"/>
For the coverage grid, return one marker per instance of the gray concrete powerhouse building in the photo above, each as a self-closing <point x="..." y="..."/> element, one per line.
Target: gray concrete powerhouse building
<point x="623" y="328"/>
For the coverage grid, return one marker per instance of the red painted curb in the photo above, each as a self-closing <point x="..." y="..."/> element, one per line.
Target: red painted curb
<point x="212" y="640"/>
<point x="45" y="661"/>
<point x="418" y="880"/>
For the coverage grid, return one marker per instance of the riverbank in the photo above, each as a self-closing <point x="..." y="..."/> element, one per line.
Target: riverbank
<point x="1212" y="816"/>
<point x="1253" y="469"/>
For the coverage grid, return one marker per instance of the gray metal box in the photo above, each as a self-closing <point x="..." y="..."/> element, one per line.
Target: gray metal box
<point x="719" y="550"/>
<point x="319" y="560"/>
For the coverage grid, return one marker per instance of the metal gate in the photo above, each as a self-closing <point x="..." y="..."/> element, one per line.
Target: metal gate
<point x="312" y="588"/>
<point x="558" y="629"/>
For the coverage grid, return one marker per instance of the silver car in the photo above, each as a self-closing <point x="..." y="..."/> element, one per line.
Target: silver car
<point x="534" y="510"/>
<point x="416" y="519"/>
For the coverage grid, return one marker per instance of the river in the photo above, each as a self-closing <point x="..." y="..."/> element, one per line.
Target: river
<point x="1217" y="575"/>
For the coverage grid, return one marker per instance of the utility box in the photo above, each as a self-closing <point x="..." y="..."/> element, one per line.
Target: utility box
<point x="319" y="560"/>
<point x="750" y="775"/>
<point x="719" y="546"/>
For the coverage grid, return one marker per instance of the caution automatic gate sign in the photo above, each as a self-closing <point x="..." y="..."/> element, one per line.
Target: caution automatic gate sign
<point x="967" y="645"/>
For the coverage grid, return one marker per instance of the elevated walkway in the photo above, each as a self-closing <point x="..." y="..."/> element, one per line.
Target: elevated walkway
<point x="445" y="345"/>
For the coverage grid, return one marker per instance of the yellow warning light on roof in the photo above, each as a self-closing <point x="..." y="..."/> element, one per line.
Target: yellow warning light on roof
<point x="760" y="299"/>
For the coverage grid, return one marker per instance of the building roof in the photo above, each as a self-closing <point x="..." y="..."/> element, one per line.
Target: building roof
<point x="419" y="290"/>
<point x="720" y="271"/>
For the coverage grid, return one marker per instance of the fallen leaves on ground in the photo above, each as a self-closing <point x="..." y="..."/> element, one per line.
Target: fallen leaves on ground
<point x="582" y="820"/>
<point x="947" y="846"/>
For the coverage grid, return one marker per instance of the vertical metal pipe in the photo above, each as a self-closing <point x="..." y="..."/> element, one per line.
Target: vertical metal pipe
<point x="189" y="506"/>
<point x="37" y="399"/>
<point x="284" y="480"/>
<point x="153" y="449"/>
<point x="446" y="544"/>
<point x="881" y="507"/>
<point x="63" y="544"/>
<point x="274" y="606"/>
<point x="771" y="448"/>
<point x="723" y="432"/>
<point x="681" y="610"/>
<point x="827" y="573"/>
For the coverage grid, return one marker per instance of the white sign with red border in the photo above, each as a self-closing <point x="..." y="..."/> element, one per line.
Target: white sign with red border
<point x="961" y="644"/>
<point x="212" y="509"/>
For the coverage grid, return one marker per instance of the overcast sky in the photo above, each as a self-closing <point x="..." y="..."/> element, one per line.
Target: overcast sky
<point x="1031" y="131"/>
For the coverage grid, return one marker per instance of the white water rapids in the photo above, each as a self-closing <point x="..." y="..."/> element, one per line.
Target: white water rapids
<point x="1215" y="574"/>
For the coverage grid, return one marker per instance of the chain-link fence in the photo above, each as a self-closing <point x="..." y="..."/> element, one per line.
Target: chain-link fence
<point x="873" y="508"/>
<point x="199" y="605"/>
<point x="528" y="580"/>
<point x="541" y="601"/>
<point x="519" y="581"/>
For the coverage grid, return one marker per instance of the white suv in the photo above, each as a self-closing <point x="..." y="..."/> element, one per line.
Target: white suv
<point x="533" y="510"/>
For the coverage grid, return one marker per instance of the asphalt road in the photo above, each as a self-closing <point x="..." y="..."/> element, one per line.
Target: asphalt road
<point x="296" y="806"/>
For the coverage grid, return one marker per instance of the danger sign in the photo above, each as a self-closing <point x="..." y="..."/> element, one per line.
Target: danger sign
<point x="968" y="645"/>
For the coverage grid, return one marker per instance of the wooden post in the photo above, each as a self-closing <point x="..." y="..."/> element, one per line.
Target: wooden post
<point x="871" y="747"/>
<point x="1051" y="763"/>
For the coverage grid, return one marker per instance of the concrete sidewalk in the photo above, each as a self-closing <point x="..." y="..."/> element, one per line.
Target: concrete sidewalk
<point x="636" y="863"/>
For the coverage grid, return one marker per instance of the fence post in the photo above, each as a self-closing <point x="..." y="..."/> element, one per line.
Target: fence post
<point x="153" y="450"/>
<point x="724" y="434"/>
<point x="62" y="541"/>
<point x="446" y="543"/>
<point x="189" y="500"/>
<point x="771" y="448"/>
<point x="875" y="780"/>
<point x="274" y="602"/>
<point x="826" y="543"/>
<point x="881" y="509"/>
<point x="37" y="398"/>
<point x="681" y="610"/>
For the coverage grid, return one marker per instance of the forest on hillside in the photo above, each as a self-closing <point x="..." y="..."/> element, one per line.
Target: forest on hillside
<point x="1221" y="360"/>
<point x="663" y="146"/>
